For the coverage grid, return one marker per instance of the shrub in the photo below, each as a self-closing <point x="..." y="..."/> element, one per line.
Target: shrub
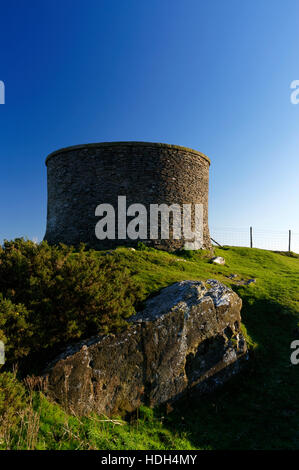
<point x="58" y="295"/>
<point x="12" y="398"/>
<point x="14" y="329"/>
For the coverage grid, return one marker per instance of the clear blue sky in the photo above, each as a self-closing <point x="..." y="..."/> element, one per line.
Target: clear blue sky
<point x="211" y="75"/>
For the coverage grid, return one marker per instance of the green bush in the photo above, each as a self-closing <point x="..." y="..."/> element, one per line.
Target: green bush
<point x="55" y="295"/>
<point x="15" y="331"/>
<point x="12" y="398"/>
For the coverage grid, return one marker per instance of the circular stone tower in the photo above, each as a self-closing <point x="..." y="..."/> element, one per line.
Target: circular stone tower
<point x="92" y="187"/>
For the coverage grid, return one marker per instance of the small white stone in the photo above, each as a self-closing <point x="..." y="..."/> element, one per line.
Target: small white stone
<point x="218" y="260"/>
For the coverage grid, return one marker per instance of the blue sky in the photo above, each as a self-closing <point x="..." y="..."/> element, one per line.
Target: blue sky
<point x="214" y="76"/>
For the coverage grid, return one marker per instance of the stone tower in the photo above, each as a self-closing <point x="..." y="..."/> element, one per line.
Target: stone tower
<point x="82" y="177"/>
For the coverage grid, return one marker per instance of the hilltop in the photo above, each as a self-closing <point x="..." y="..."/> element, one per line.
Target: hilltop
<point x="258" y="409"/>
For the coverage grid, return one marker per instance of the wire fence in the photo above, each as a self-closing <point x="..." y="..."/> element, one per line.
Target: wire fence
<point x="286" y="240"/>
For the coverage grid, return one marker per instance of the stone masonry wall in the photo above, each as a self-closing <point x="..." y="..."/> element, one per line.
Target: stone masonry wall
<point x="82" y="177"/>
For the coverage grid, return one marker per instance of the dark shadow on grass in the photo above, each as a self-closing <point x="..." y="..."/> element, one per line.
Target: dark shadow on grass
<point x="258" y="408"/>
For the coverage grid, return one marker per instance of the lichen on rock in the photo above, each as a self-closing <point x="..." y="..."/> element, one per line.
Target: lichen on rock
<point x="187" y="339"/>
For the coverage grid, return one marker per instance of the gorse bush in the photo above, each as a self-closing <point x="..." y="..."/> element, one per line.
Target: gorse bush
<point x="55" y="295"/>
<point x="15" y="331"/>
<point x="12" y="398"/>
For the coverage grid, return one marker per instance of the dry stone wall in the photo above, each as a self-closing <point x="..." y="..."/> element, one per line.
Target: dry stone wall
<point x="82" y="177"/>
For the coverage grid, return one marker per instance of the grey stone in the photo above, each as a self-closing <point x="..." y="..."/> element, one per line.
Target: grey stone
<point x="187" y="340"/>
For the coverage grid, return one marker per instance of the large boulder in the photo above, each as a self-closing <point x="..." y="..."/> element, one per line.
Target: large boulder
<point x="186" y="339"/>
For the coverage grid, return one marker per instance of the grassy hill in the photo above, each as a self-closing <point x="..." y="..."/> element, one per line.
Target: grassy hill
<point x="258" y="409"/>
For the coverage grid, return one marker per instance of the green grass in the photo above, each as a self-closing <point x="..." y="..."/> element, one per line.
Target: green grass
<point x="59" y="431"/>
<point x="258" y="409"/>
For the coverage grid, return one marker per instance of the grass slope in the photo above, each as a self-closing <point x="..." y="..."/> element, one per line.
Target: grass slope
<point x="258" y="409"/>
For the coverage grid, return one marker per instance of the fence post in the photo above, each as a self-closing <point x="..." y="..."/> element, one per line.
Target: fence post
<point x="251" y="244"/>
<point x="290" y="238"/>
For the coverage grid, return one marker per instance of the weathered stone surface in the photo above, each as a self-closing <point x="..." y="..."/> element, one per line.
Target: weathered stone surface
<point x="84" y="176"/>
<point x="186" y="339"/>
